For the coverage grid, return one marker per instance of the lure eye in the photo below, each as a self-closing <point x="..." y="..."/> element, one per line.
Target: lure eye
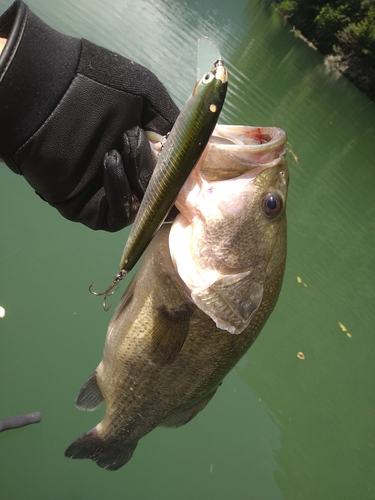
<point x="208" y="77"/>
<point x="272" y="205"/>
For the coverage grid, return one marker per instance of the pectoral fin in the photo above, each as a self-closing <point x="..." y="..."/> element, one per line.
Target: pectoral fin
<point x="89" y="397"/>
<point x="168" y="334"/>
<point x="232" y="301"/>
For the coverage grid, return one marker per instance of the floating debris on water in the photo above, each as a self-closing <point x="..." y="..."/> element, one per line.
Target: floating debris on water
<point x="345" y="330"/>
<point x="2" y="312"/>
<point x="300" y="355"/>
<point x="343" y="327"/>
<point x="299" y="279"/>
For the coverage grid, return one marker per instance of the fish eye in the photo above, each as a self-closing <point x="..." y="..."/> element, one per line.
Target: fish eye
<point x="208" y="77"/>
<point x="272" y="205"/>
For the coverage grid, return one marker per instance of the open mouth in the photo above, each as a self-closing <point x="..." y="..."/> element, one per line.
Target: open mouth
<point x="235" y="149"/>
<point x="250" y="138"/>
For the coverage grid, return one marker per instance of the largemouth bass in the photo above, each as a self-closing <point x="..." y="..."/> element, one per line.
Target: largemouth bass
<point x="204" y="289"/>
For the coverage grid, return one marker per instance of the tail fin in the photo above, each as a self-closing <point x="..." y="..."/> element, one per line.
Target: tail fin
<point x="106" y="453"/>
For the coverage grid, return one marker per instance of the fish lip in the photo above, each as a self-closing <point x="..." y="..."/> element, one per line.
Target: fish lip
<point x="275" y="138"/>
<point x="241" y="141"/>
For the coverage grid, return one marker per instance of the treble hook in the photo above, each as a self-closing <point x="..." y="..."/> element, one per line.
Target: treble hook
<point x="111" y="289"/>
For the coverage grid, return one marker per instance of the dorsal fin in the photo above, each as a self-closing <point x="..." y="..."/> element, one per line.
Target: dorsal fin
<point x="89" y="397"/>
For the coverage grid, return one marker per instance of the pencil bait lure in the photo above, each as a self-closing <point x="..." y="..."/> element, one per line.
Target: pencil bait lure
<point x="180" y="153"/>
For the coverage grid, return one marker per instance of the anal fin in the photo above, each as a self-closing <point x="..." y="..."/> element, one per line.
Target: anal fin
<point x="183" y="417"/>
<point x="89" y="397"/>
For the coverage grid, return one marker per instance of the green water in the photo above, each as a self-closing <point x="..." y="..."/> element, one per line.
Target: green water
<point x="279" y="427"/>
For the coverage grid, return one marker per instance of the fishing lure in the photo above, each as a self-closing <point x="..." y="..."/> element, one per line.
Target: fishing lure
<point x="183" y="148"/>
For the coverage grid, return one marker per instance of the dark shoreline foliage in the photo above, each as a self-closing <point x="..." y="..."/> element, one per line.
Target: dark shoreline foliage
<point x="343" y="30"/>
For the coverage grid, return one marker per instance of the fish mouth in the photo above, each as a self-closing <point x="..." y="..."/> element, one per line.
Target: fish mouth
<point x="241" y="137"/>
<point x="237" y="149"/>
<point x="234" y="150"/>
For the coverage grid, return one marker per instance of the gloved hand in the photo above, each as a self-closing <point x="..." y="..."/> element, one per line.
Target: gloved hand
<point x="68" y="108"/>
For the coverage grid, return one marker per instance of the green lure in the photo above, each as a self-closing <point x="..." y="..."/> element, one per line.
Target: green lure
<point x="183" y="148"/>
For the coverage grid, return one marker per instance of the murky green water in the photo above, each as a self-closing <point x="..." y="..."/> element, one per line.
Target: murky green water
<point x="279" y="427"/>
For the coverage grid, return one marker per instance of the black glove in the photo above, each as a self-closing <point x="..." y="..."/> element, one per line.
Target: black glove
<point x="67" y="107"/>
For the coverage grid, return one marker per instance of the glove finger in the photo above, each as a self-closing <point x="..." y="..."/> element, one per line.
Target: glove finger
<point x="138" y="160"/>
<point x="140" y="163"/>
<point x="119" y="205"/>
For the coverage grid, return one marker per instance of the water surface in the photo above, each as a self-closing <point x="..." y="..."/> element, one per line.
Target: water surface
<point x="279" y="427"/>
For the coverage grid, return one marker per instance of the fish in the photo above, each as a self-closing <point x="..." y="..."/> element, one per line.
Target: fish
<point x="181" y="151"/>
<point x="203" y="291"/>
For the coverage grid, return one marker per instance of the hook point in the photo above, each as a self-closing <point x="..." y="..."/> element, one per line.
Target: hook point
<point x="113" y="287"/>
